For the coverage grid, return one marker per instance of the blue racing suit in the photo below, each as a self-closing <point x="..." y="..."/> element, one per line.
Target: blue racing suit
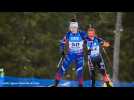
<point x="75" y="44"/>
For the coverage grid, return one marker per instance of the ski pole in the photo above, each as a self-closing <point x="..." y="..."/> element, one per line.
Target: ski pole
<point x="107" y="57"/>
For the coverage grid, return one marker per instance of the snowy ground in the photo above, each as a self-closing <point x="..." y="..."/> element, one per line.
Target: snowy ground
<point x="37" y="82"/>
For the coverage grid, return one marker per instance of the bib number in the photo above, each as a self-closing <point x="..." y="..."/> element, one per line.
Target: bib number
<point x="75" y="45"/>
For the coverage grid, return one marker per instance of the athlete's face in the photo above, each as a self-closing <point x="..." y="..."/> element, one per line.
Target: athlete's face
<point x="74" y="29"/>
<point x="91" y="34"/>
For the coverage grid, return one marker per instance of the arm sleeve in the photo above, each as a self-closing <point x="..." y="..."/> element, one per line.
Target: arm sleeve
<point x="101" y="41"/>
<point x="63" y="42"/>
<point x="85" y="37"/>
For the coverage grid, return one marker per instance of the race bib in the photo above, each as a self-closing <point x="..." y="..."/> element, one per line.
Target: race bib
<point x="95" y="51"/>
<point x="76" y="45"/>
